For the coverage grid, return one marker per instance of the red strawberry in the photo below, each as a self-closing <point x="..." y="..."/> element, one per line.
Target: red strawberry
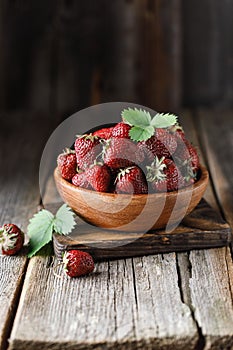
<point x="121" y="153"/>
<point x="80" y="180"/>
<point x="99" y="177"/>
<point x="77" y="263"/>
<point x="104" y="133"/>
<point x="164" y="175"/>
<point x="131" y="180"/>
<point x="161" y="144"/>
<point x="195" y="163"/>
<point x="66" y="162"/>
<point x="187" y="157"/>
<point x="11" y="239"/>
<point x="178" y="132"/>
<point x="121" y="130"/>
<point x="87" y="148"/>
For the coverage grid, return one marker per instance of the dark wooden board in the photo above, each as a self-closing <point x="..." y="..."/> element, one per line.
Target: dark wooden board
<point x="203" y="228"/>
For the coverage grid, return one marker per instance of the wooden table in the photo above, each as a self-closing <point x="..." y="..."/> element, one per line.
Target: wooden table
<point x="165" y="301"/>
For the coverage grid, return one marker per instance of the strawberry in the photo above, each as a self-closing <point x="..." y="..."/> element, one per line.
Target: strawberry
<point x="178" y="132"/>
<point x="195" y="163"/>
<point x="11" y="239"/>
<point x="87" y="148"/>
<point x="121" y="130"/>
<point x="99" y="177"/>
<point x="77" y="263"/>
<point x="161" y="144"/>
<point x="187" y="158"/>
<point x="121" y="153"/>
<point x="104" y="133"/>
<point x="66" y="162"/>
<point x="80" y="180"/>
<point x="164" y="175"/>
<point x="131" y="180"/>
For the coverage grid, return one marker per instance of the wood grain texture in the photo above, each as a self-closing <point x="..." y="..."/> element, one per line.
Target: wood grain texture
<point x="160" y="53"/>
<point x="212" y="302"/>
<point x="121" y="306"/>
<point x="207" y="52"/>
<point x="19" y="198"/>
<point x="217" y="142"/>
<point x="132" y="213"/>
<point x="11" y="277"/>
<point x="203" y="228"/>
<point x="211" y="268"/>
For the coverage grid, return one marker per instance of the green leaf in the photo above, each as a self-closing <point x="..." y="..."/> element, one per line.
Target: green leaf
<point x="40" y="231"/>
<point x="136" y="117"/>
<point x="138" y="133"/>
<point x="163" y="120"/>
<point x="64" y="220"/>
<point x="43" y="224"/>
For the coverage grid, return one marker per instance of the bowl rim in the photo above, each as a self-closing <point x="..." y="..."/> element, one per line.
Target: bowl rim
<point x="202" y="180"/>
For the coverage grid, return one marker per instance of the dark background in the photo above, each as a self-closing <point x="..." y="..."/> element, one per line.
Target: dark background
<point x="59" y="56"/>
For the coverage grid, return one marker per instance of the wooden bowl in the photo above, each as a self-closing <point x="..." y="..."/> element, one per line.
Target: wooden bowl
<point x="132" y="213"/>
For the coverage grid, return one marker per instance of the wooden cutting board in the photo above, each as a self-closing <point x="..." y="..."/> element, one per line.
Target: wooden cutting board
<point x="203" y="228"/>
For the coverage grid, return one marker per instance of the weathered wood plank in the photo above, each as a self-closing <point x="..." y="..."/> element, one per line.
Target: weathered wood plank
<point x="19" y="197"/>
<point x="11" y="277"/>
<point x="212" y="300"/>
<point x="216" y="128"/>
<point x="123" y="305"/>
<point x="203" y="228"/>
<point x="206" y="276"/>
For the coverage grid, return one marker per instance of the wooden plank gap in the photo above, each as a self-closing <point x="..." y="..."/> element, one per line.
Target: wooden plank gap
<point x="134" y="285"/>
<point x="184" y="273"/>
<point x="229" y="271"/>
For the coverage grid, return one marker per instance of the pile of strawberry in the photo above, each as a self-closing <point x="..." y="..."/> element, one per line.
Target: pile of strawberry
<point x="138" y="155"/>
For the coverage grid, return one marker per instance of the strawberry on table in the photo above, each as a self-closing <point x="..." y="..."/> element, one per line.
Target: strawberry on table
<point x="121" y="130"/>
<point x="77" y="263"/>
<point x="121" y="153"/>
<point x="67" y="165"/>
<point x="11" y="239"/>
<point x="131" y="180"/>
<point x="99" y="177"/>
<point x="87" y="149"/>
<point x="104" y="133"/>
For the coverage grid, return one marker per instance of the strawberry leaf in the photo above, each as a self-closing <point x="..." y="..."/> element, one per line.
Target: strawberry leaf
<point x="138" y="133"/>
<point x="44" y="223"/>
<point x="163" y="120"/>
<point x="40" y="231"/>
<point x="64" y="220"/>
<point x="136" y="117"/>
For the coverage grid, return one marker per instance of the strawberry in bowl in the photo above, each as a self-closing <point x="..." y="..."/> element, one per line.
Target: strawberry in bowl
<point x="140" y="166"/>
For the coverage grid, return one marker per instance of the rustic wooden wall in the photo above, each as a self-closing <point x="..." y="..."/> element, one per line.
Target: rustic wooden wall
<point x="208" y="52"/>
<point x="63" y="55"/>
